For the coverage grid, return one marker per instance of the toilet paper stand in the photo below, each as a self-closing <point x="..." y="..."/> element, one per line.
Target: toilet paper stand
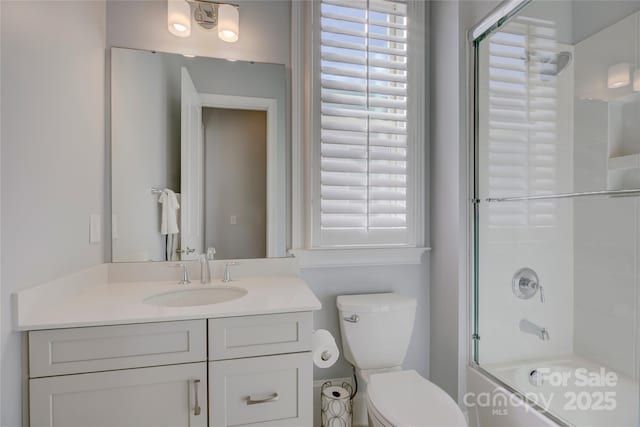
<point x="336" y="404"/>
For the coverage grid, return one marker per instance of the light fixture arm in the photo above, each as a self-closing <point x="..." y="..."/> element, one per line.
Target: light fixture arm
<point x="205" y="12"/>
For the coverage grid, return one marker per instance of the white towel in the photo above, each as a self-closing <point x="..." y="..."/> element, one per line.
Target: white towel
<point x="170" y="206"/>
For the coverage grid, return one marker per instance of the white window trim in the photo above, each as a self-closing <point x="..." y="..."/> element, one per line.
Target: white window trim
<point x="303" y="168"/>
<point x="337" y="257"/>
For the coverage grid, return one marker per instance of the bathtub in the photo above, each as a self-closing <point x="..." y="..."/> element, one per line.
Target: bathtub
<point x="577" y="391"/>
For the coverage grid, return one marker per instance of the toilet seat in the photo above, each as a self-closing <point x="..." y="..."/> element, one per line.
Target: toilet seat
<point x="405" y="399"/>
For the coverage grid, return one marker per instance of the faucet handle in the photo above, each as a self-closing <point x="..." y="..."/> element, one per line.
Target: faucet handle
<point x="227" y="271"/>
<point x="185" y="273"/>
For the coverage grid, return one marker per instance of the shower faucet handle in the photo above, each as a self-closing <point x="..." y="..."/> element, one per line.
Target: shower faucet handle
<point x="525" y="284"/>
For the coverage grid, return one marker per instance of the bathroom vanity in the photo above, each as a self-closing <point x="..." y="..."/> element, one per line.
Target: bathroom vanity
<point x="104" y="353"/>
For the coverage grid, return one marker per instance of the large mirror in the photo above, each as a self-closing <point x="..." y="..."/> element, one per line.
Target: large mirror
<point x="198" y="157"/>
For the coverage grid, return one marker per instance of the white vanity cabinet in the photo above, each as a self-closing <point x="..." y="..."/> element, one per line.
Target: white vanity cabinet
<point x="170" y="396"/>
<point x="237" y="371"/>
<point x="261" y="371"/>
<point x="109" y="376"/>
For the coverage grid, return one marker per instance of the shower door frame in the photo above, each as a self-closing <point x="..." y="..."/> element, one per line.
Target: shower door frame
<point x="495" y="19"/>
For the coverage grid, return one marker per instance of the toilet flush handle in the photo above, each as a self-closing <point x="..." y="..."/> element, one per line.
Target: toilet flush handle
<point x="354" y="318"/>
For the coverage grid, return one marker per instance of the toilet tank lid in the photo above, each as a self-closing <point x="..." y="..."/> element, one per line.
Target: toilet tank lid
<point x="371" y="303"/>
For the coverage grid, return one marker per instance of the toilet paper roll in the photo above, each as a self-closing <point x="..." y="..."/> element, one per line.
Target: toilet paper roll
<point x="325" y="350"/>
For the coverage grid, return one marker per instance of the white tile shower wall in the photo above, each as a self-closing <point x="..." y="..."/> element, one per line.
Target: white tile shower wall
<point x="606" y="251"/>
<point x="547" y="249"/>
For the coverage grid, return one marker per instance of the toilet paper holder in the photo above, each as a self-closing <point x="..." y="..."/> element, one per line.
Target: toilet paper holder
<point x="336" y="405"/>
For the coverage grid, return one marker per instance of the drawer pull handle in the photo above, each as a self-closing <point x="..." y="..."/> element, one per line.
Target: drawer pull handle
<point x="196" y="409"/>
<point x="272" y="398"/>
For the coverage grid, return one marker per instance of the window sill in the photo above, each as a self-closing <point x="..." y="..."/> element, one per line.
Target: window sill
<point x="319" y="258"/>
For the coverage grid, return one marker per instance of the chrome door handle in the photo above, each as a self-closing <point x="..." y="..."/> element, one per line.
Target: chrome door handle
<point x="272" y="398"/>
<point x="196" y="408"/>
<point x="354" y="318"/>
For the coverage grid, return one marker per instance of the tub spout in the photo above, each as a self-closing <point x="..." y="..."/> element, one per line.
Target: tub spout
<point x="529" y="327"/>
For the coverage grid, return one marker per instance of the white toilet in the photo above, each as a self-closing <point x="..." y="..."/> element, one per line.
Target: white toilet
<point x="376" y="330"/>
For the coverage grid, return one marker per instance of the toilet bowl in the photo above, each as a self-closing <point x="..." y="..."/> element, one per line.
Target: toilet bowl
<point x="376" y="330"/>
<point x="405" y="399"/>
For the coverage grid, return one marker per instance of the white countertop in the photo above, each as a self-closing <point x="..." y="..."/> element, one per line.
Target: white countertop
<point x="121" y="303"/>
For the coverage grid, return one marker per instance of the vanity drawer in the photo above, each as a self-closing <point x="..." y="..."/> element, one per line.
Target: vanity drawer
<point x="274" y="391"/>
<point x="235" y="337"/>
<point x="104" y="348"/>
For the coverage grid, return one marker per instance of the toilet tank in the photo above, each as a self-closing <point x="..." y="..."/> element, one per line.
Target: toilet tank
<point x="376" y="329"/>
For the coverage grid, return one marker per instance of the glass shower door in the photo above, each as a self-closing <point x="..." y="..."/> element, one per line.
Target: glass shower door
<point x="557" y="224"/>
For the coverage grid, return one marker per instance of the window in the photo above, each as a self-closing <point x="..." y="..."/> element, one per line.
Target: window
<point x="367" y="145"/>
<point x="523" y="129"/>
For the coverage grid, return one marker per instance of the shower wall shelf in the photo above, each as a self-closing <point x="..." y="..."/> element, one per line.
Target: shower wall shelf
<point x="617" y="163"/>
<point x="611" y="193"/>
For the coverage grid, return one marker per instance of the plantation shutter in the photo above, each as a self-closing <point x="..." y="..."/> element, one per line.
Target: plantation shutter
<point x="363" y="77"/>
<point x="523" y="128"/>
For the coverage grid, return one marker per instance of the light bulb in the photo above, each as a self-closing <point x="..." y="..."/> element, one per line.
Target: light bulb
<point x="179" y="18"/>
<point x="179" y="27"/>
<point x="228" y="23"/>
<point x="618" y="75"/>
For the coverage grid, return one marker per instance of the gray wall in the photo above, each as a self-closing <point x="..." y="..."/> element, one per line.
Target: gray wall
<point x="53" y="155"/>
<point x="235" y="167"/>
<point x="450" y="22"/>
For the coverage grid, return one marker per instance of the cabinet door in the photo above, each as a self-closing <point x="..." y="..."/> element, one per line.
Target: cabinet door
<point x="171" y="396"/>
<point x="273" y="391"/>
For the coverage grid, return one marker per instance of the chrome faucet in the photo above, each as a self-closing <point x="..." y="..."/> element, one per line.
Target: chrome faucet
<point x="205" y="269"/>
<point x="185" y="274"/>
<point x="529" y="327"/>
<point x="227" y="271"/>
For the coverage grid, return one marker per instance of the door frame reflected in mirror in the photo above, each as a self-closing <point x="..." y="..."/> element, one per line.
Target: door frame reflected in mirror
<point x="276" y="202"/>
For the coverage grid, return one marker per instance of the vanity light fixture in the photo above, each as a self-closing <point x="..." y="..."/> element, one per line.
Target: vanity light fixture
<point x="619" y="75"/>
<point x="210" y="15"/>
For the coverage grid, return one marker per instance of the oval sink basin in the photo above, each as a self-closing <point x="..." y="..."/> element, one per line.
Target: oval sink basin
<point x="196" y="297"/>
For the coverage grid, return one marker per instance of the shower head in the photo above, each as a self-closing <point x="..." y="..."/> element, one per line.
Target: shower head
<point x="552" y="66"/>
